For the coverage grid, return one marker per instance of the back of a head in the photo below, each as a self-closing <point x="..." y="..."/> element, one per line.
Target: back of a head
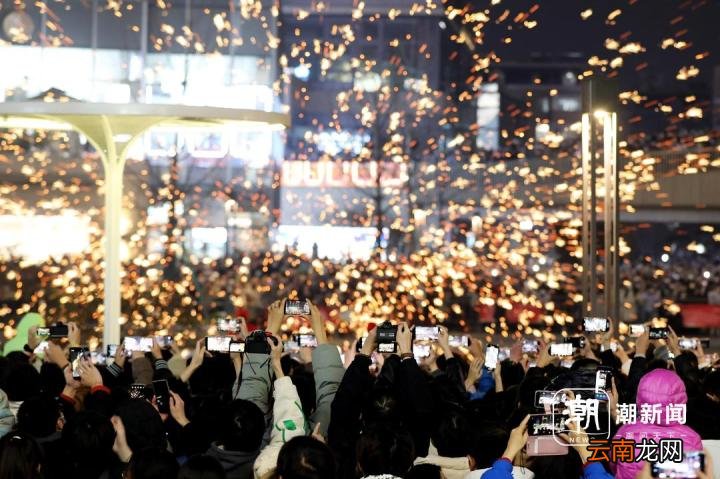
<point x="385" y="449"/>
<point x="88" y="438"/>
<point x="381" y="405"/>
<point x="22" y="382"/>
<point x="202" y="467"/>
<point x="512" y="373"/>
<point x="450" y="436"/>
<point x="143" y="426"/>
<point x="38" y="416"/>
<point x="244" y="427"/>
<point x="661" y="386"/>
<point x="425" y="471"/>
<point x="20" y="457"/>
<point x="152" y="463"/>
<point x="303" y="457"/>
<point x="488" y="443"/>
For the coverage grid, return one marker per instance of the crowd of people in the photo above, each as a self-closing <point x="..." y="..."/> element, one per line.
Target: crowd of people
<point x="379" y="408"/>
<point x="457" y="287"/>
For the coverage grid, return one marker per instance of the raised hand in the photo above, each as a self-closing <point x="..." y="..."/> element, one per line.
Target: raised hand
<point x="156" y="351"/>
<point x="444" y="343"/>
<point x="404" y="339"/>
<point x="276" y="352"/>
<point x="318" y="324"/>
<point x="474" y="373"/>
<point x="120" y="446"/>
<point x="55" y="354"/>
<point x="177" y="409"/>
<point x="89" y="375"/>
<point x="73" y="334"/>
<point x="518" y="439"/>
<point x="369" y="343"/>
<point x="275" y="317"/>
<point x="120" y="355"/>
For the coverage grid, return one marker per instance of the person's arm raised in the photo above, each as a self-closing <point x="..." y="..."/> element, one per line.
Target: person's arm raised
<point x="196" y="361"/>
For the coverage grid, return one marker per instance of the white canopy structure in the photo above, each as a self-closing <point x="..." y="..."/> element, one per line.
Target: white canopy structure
<point x="112" y="128"/>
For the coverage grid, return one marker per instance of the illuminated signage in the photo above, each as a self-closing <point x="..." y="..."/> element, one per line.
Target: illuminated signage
<point x="342" y="174"/>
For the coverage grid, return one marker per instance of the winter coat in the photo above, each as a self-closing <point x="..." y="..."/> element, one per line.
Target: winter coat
<point x="663" y="387"/>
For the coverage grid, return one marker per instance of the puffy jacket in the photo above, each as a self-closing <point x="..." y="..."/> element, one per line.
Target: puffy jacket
<point x="288" y="422"/>
<point x="660" y="386"/>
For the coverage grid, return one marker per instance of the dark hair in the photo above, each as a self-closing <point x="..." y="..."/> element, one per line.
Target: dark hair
<point x="22" y="382"/>
<point x="152" y="463"/>
<point x="424" y="471"/>
<point x="20" y="457"/>
<point x="385" y="449"/>
<point x="488" y="443"/>
<point x="88" y="438"/>
<point x="382" y="405"/>
<point x="143" y="426"/>
<point x="711" y="385"/>
<point x="303" y="457"/>
<point x="38" y="416"/>
<point x="244" y="427"/>
<point x="202" y="467"/>
<point x="450" y="437"/>
<point x="512" y="373"/>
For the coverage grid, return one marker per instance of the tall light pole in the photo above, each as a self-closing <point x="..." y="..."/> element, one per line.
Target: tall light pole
<point x="599" y="152"/>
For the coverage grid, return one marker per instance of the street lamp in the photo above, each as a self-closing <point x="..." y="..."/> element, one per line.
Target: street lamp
<point x="599" y="150"/>
<point x="112" y="129"/>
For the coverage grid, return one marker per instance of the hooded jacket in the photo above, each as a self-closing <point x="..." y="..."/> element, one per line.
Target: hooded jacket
<point x="663" y="387"/>
<point x="237" y="464"/>
<point x="288" y="422"/>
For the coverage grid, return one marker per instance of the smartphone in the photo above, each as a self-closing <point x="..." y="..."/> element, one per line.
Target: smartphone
<point x="427" y="333"/>
<point x="293" y="347"/>
<point x="459" y="341"/>
<point x="42" y="332"/>
<point x="561" y="349"/>
<point x="228" y="325"/>
<point x="76" y="354"/>
<point x="596" y="325"/>
<point x="237" y="347"/>
<point x="386" y="347"/>
<point x="578" y="342"/>
<point x="218" y="344"/>
<point x="603" y="379"/>
<point x="613" y="346"/>
<point x="164" y="341"/>
<point x="692" y="463"/>
<point x="658" y="333"/>
<point x="421" y="350"/>
<point x="693" y="343"/>
<point x="492" y="351"/>
<point x="97" y="357"/>
<point x="637" y="330"/>
<point x="550" y="398"/>
<point x="139" y="391"/>
<point x="40" y="349"/>
<point x="138" y="343"/>
<point x="530" y="346"/>
<point x="503" y="354"/>
<point x="546" y="424"/>
<point x="297" y="308"/>
<point x="542" y="435"/>
<point x="162" y="395"/>
<point x="111" y="350"/>
<point x="58" y="331"/>
<point x="306" y="340"/>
